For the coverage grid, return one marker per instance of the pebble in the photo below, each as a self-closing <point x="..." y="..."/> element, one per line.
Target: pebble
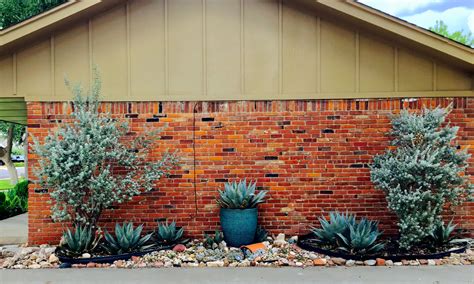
<point x="338" y="261"/>
<point x="280" y="240"/>
<point x="380" y="261"/>
<point x="320" y="262"/>
<point x="370" y="262"/>
<point x="350" y="263"/>
<point x="179" y="248"/>
<point x="86" y="255"/>
<point x="431" y="262"/>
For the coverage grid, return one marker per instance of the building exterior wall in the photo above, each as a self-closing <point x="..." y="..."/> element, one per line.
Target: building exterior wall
<point x="186" y="50"/>
<point x="311" y="155"/>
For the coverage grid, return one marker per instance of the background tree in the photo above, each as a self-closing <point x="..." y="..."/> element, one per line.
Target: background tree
<point x="459" y="36"/>
<point x="14" y="133"/>
<point x="15" y="11"/>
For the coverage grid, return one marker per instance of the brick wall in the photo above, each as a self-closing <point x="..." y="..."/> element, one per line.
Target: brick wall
<point x="312" y="156"/>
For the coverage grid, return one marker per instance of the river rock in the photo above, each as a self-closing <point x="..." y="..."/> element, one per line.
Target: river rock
<point x="370" y="262"/>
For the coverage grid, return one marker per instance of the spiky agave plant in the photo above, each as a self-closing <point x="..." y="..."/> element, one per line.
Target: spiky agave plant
<point x="127" y="239"/>
<point x="239" y="195"/>
<point x="82" y="239"/>
<point x="261" y="234"/>
<point x="442" y="234"/>
<point x="217" y="238"/>
<point x="168" y="233"/>
<point x="338" y="224"/>
<point x="362" y="238"/>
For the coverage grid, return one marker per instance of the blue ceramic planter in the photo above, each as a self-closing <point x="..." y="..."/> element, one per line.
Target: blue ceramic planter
<point x="239" y="225"/>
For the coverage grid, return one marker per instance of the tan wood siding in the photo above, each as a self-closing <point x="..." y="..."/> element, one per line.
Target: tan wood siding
<point x="224" y="50"/>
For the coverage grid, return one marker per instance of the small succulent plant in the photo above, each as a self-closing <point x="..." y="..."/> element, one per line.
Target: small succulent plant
<point x="338" y="224"/>
<point x="362" y="238"/>
<point x="127" y="239"/>
<point x="210" y="240"/>
<point x="442" y="234"/>
<point x="81" y="239"/>
<point x="260" y="234"/>
<point x="168" y="233"/>
<point x="239" y="195"/>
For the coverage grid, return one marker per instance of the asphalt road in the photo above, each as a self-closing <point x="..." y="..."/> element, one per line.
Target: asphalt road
<point x="340" y="275"/>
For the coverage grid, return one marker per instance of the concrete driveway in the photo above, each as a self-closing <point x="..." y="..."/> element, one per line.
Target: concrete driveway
<point x="14" y="230"/>
<point x="340" y="275"/>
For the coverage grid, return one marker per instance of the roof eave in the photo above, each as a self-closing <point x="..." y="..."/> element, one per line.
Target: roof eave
<point x="462" y="55"/>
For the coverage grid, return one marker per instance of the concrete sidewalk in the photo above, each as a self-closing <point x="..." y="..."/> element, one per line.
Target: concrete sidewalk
<point x="14" y="230"/>
<point x="409" y="274"/>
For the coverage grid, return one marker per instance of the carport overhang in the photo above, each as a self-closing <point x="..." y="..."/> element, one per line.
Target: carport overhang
<point x="13" y="110"/>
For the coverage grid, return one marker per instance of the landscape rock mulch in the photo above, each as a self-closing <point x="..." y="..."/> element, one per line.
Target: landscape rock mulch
<point x="278" y="253"/>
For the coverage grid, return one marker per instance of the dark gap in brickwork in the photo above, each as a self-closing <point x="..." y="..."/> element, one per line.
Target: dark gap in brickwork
<point x="129" y="106"/>
<point x="271" y="175"/>
<point x="41" y="190"/>
<point x="131" y="115"/>
<point x="282" y="123"/>
<point x="217" y="125"/>
<point x="269" y="158"/>
<point x="326" y="192"/>
<point x="300" y="149"/>
<point x="333" y="117"/>
<point x="159" y="220"/>
<point x="55" y="121"/>
<point x="169" y="206"/>
<point x="256" y="140"/>
<point x="175" y="176"/>
<point x="166" y="137"/>
<point x="154" y="119"/>
<point x="228" y="150"/>
<point x="207" y="137"/>
<point x="357" y="165"/>
<point x="324" y="148"/>
<point x="160" y="107"/>
<point x="309" y="140"/>
<point x="360" y="152"/>
<point x="207" y="119"/>
<point x="34" y="125"/>
<point x="328" y="130"/>
<point x="299" y="131"/>
<point x="221" y="180"/>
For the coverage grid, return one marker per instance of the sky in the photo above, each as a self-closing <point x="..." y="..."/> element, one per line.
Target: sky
<point x="457" y="14"/>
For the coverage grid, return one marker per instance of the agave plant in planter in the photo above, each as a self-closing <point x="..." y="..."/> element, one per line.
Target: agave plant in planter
<point x="127" y="239"/>
<point x="238" y="214"/>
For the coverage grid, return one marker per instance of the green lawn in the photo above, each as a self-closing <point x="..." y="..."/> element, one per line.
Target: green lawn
<point x="5" y="184"/>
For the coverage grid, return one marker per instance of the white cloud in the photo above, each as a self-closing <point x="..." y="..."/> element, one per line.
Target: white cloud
<point x="396" y="7"/>
<point x="470" y="22"/>
<point x="456" y="18"/>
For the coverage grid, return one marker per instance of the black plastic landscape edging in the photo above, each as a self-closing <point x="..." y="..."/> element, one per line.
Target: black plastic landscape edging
<point x="107" y="259"/>
<point x="304" y="244"/>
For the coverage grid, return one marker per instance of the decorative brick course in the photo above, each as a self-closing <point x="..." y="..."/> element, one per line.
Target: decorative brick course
<point x="312" y="156"/>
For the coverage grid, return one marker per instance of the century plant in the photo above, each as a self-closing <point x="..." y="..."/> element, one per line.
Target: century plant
<point x="442" y="234"/>
<point x="344" y="232"/>
<point x="210" y="240"/>
<point x="239" y="195"/>
<point x="338" y="224"/>
<point x="127" y="239"/>
<point x="362" y="238"/>
<point x="82" y="239"/>
<point x="91" y="162"/>
<point x="168" y="233"/>
<point x="423" y="172"/>
<point x="261" y="234"/>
